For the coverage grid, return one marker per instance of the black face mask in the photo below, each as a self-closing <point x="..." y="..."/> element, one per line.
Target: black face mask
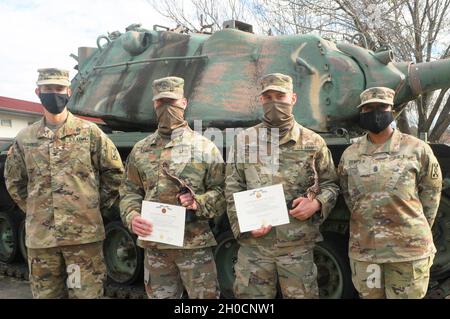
<point x="54" y="102"/>
<point x="375" y="121"/>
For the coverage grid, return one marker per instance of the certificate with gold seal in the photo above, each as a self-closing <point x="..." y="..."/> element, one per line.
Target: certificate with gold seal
<point x="168" y="222"/>
<point x="261" y="207"/>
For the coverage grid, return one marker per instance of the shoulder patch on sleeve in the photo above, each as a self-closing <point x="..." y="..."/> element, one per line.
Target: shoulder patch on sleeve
<point x="113" y="153"/>
<point x="434" y="170"/>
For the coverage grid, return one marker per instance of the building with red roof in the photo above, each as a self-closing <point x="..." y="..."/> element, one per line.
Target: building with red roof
<point x="17" y="114"/>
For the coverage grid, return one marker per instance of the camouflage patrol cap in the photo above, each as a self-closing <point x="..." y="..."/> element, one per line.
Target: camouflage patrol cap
<point x="170" y="87"/>
<point x="377" y="95"/>
<point x="277" y="82"/>
<point x="53" y="76"/>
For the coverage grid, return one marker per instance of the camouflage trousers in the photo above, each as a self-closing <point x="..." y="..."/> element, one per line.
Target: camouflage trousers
<point x="260" y="269"/>
<point x="167" y="272"/>
<point x="402" y="280"/>
<point x="67" y="271"/>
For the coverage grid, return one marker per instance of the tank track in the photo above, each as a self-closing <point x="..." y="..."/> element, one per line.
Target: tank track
<point x="120" y="291"/>
<point x="439" y="289"/>
<point x="19" y="271"/>
<point x="16" y="270"/>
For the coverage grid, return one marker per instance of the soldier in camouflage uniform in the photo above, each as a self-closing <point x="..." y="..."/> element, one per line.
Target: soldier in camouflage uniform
<point x="196" y="160"/>
<point x="391" y="183"/>
<point x="284" y="253"/>
<point x="62" y="171"/>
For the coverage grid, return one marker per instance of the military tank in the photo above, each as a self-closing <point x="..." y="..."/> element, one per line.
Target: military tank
<point x="221" y="72"/>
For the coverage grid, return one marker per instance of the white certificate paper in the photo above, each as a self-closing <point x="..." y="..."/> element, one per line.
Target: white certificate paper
<point x="261" y="207"/>
<point x="168" y="222"/>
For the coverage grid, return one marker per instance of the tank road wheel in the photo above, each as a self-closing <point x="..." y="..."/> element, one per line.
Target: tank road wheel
<point x="123" y="258"/>
<point x="225" y="255"/>
<point x="6" y="203"/>
<point x="334" y="274"/>
<point x="22" y="245"/>
<point x="9" y="240"/>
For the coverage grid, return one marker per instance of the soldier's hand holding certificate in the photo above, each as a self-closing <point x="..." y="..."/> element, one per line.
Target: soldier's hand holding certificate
<point x="261" y="207"/>
<point x="167" y="220"/>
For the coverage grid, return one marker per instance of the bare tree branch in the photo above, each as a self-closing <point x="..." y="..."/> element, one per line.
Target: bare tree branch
<point x="434" y="111"/>
<point x="442" y="122"/>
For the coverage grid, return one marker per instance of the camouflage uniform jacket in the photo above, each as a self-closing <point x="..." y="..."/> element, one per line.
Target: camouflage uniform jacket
<point x="190" y="157"/>
<point x="393" y="192"/>
<point x="62" y="181"/>
<point x="295" y="173"/>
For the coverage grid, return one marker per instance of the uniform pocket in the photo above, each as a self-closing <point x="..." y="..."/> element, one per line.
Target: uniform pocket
<point x="151" y="175"/>
<point x="421" y="268"/>
<point x="41" y="268"/>
<point x="76" y="159"/>
<point x="367" y="176"/>
<point x="401" y="177"/>
<point x="193" y="174"/>
<point x="252" y="176"/>
<point x="148" y="165"/>
<point x="310" y="281"/>
<point x="242" y="275"/>
<point x="242" y="270"/>
<point x="296" y="167"/>
<point x="37" y="163"/>
<point x="392" y="173"/>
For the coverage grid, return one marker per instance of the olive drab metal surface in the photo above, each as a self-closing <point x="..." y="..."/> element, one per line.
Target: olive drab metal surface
<point x="221" y="72"/>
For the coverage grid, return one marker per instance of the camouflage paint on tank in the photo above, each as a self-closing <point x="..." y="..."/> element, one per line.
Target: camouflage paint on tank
<point x="221" y="73"/>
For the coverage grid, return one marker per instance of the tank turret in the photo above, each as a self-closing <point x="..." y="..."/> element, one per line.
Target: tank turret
<point x="221" y="73"/>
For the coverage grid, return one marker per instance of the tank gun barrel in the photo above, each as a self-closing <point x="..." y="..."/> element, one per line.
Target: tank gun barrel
<point x="422" y="78"/>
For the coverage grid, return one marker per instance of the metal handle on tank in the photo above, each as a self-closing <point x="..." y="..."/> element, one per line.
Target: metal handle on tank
<point x="98" y="41"/>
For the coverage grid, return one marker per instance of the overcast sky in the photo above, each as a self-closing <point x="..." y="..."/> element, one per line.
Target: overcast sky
<point x="37" y="34"/>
